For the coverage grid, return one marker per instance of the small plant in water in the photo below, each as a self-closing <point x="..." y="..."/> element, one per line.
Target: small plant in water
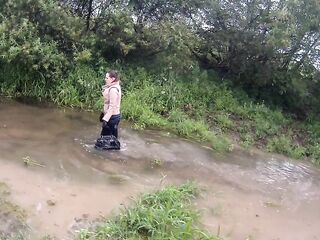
<point x="155" y="163"/>
<point x="4" y="190"/>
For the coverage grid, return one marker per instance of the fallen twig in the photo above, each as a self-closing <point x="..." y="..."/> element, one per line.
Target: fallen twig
<point x="29" y="162"/>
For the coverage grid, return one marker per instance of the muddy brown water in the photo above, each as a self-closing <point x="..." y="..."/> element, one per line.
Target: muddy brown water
<point x="247" y="195"/>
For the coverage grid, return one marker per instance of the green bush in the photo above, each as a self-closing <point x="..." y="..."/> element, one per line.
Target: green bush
<point x="284" y="145"/>
<point x="223" y="121"/>
<point x="314" y="151"/>
<point x="136" y="110"/>
<point x="81" y="88"/>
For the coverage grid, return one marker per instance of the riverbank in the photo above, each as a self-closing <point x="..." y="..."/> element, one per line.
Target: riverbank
<point x="200" y="107"/>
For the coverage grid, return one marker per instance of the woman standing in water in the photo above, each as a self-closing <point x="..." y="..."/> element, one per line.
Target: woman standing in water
<point x="111" y="92"/>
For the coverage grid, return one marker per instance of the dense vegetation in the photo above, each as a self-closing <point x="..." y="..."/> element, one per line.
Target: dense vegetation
<point x="205" y="69"/>
<point x="163" y="215"/>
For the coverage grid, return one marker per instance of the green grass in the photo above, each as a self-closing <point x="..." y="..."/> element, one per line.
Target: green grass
<point x="167" y="214"/>
<point x="283" y="144"/>
<point x="18" y="237"/>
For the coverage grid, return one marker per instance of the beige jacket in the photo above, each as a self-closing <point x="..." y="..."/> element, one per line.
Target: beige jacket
<point x="112" y="99"/>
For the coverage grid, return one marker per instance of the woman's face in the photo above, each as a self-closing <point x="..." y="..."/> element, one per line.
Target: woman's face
<point x="108" y="79"/>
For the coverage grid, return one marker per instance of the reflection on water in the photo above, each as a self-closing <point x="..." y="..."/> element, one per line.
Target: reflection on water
<point x="286" y="171"/>
<point x="277" y="197"/>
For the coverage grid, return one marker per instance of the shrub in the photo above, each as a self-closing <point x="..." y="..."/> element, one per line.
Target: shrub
<point x="283" y="145"/>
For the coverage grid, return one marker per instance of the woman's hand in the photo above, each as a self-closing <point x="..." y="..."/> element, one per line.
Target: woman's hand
<point x="101" y="116"/>
<point x="104" y="123"/>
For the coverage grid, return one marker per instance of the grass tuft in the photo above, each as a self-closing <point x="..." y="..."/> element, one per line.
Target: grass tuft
<point x="165" y="214"/>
